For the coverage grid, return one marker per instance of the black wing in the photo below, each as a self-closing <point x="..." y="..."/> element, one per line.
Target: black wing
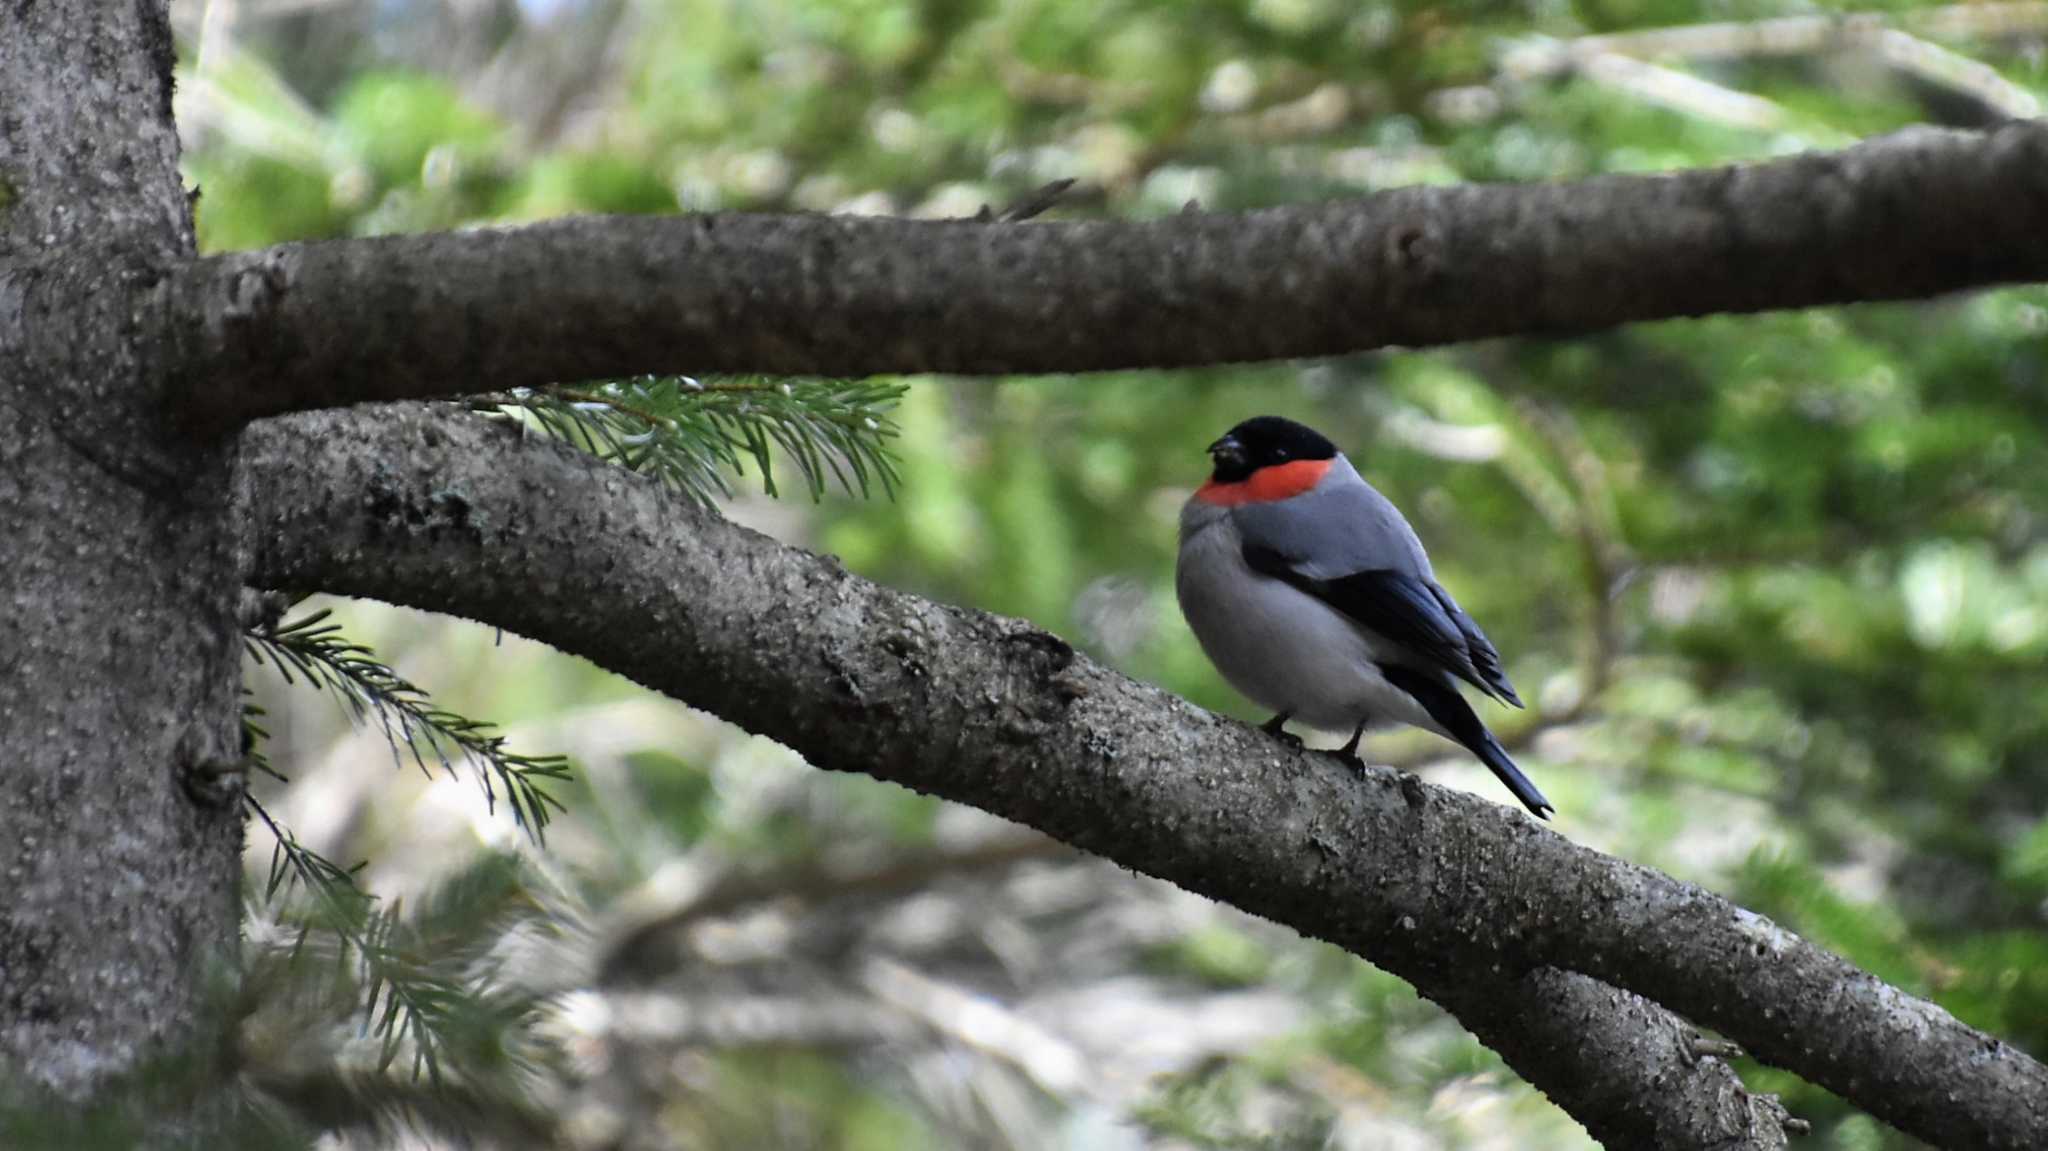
<point x="1485" y="660"/>
<point x="1444" y="705"/>
<point x="1409" y="610"/>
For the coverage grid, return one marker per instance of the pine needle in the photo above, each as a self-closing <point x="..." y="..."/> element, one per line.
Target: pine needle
<point x="317" y="652"/>
<point x="691" y="433"/>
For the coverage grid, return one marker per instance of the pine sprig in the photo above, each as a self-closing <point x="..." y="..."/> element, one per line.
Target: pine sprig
<point x="424" y="984"/>
<point x="412" y="724"/>
<point x="691" y="433"/>
<point x="253" y="736"/>
<point x="401" y="1002"/>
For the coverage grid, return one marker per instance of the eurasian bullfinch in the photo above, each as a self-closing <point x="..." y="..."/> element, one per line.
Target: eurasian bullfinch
<point x="1311" y="594"/>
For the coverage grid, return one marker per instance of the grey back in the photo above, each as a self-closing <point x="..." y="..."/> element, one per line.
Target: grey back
<point x="1345" y="525"/>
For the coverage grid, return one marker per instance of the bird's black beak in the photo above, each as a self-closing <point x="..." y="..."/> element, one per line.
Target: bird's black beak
<point x="1228" y="454"/>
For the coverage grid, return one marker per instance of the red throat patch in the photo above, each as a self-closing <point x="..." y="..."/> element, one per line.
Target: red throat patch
<point x="1276" y="482"/>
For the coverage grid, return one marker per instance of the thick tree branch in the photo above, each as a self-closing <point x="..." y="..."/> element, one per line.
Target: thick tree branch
<point x="308" y="326"/>
<point x="423" y="507"/>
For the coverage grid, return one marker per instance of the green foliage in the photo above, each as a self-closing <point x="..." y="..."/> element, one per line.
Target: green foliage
<point x="797" y="1097"/>
<point x="690" y="433"/>
<point x="396" y="123"/>
<point x="1219" y="955"/>
<point x="422" y="984"/>
<point x="558" y="185"/>
<point x="298" y="200"/>
<point x="409" y="720"/>
<point x="1205" y="1108"/>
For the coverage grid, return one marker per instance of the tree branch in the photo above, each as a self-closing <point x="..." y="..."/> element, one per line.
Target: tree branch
<point x="1464" y="898"/>
<point x="328" y="324"/>
<point x="1539" y="58"/>
<point x="652" y="915"/>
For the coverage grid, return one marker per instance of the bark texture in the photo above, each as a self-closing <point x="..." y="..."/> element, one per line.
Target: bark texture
<point x="118" y="660"/>
<point x="326" y="324"/>
<point x="442" y="511"/>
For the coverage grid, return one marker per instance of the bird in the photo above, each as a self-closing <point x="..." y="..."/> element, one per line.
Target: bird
<point x="1314" y="598"/>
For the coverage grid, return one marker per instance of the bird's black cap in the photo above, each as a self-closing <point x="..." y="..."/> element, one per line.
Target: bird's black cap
<point x="1263" y="441"/>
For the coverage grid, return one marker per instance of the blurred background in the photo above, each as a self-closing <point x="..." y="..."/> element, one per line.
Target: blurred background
<point x="1776" y="587"/>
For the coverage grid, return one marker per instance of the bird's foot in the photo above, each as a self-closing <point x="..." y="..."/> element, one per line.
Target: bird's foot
<point x="1348" y="754"/>
<point x="1276" y="727"/>
<point x="1292" y="740"/>
<point x="1349" y="758"/>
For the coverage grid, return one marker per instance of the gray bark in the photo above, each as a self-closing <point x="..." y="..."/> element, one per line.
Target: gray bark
<point x="118" y="572"/>
<point x="317" y="325"/>
<point x="1482" y="909"/>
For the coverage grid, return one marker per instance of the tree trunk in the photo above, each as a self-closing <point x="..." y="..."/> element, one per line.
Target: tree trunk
<point x="118" y="665"/>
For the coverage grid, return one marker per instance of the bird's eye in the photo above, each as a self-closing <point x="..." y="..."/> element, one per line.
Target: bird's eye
<point x="1279" y="453"/>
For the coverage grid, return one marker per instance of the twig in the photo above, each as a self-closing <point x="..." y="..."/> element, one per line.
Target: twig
<point x="1785" y="36"/>
<point x="1681" y="92"/>
<point x="1603" y="560"/>
<point x="813" y="881"/>
<point x="1948" y="71"/>
<point x="1030" y="204"/>
<point x="1054" y="1064"/>
<point x="1621" y="60"/>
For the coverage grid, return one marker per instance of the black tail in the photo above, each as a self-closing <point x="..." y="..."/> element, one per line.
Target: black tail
<point x="1446" y="706"/>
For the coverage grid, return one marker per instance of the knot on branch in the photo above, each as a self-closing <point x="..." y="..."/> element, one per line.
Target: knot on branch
<point x="1039" y="688"/>
<point x="394" y="508"/>
<point x="259" y="284"/>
